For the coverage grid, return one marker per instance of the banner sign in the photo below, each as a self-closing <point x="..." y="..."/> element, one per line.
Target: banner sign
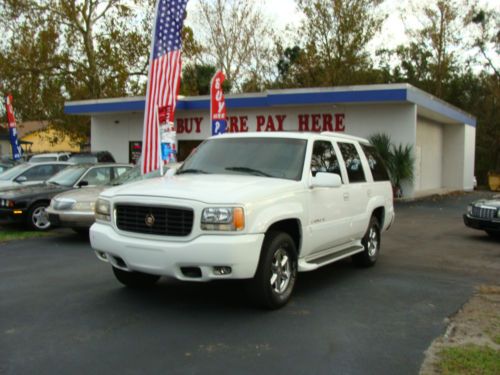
<point x="16" y="149"/>
<point x="218" y="104"/>
<point x="164" y="78"/>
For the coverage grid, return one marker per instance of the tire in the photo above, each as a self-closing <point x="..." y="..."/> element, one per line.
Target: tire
<point x="135" y="279"/>
<point x="273" y="283"/>
<point x="37" y="218"/>
<point x="371" y="244"/>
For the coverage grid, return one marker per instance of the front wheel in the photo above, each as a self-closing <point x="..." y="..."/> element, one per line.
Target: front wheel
<point x="276" y="274"/>
<point x="371" y="244"/>
<point x="135" y="279"/>
<point x="37" y="218"/>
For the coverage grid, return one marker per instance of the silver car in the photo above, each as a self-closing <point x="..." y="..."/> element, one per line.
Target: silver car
<point x="75" y="209"/>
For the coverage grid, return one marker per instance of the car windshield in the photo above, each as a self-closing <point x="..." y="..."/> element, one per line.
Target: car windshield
<point x="68" y="176"/>
<point x="267" y="157"/>
<point x="14" y="172"/>
<point x="81" y="159"/>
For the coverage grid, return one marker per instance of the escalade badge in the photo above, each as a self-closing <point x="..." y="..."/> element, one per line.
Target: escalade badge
<point x="149" y="220"/>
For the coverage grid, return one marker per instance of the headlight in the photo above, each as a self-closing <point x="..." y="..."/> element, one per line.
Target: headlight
<point x="103" y="210"/>
<point x="469" y="209"/>
<point x="6" y="203"/>
<point x="83" y="206"/>
<point x="62" y="203"/>
<point x="223" y="218"/>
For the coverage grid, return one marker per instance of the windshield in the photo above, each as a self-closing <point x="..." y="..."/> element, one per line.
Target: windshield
<point x="267" y="157"/>
<point x="68" y="176"/>
<point x="14" y="172"/>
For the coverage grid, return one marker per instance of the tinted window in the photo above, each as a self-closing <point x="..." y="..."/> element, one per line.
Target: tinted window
<point x="267" y="157"/>
<point x="352" y="162"/>
<point x="377" y="165"/>
<point x="63" y="157"/>
<point x="324" y="158"/>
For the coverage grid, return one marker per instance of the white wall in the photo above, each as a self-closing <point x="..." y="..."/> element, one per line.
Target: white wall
<point x="429" y="155"/>
<point x="113" y="132"/>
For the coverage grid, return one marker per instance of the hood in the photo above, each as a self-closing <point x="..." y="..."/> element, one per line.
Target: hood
<point x="210" y="188"/>
<point x="493" y="202"/>
<point x="84" y="194"/>
<point x="32" y="190"/>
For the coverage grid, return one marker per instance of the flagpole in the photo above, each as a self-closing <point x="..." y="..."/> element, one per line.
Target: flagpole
<point x="160" y="159"/>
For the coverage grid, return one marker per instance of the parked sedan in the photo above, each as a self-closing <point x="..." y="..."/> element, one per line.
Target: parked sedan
<point x="75" y="209"/>
<point x="27" y="204"/>
<point x="30" y="174"/>
<point x="484" y="214"/>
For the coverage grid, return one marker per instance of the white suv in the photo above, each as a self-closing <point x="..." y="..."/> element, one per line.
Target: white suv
<point x="251" y="206"/>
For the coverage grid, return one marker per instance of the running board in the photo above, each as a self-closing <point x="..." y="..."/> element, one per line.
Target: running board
<point x="314" y="263"/>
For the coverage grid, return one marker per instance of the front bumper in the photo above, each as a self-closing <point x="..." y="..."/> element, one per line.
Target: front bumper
<point x="7" y="216"/>
<point x="168" y="258"/>
<point x="482" y="224"/>
<point x="71" y="219"/>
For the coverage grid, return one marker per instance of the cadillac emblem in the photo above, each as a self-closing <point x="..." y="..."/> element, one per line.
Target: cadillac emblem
<point x="149" y="220"/>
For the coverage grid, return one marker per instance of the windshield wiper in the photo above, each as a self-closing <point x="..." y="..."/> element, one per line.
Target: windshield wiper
<point x="192" y="170"/>
<point x="255" y="172"/>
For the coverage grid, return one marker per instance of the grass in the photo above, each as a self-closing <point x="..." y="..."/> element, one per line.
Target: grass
<point x="469" y="360"/>
<point x="12" y="235"/>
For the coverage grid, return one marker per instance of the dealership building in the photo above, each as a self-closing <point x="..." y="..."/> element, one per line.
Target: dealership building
<point x="442" y="136"/>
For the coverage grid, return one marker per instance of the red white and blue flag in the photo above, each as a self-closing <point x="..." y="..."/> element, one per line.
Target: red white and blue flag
<point x="218" y="104"/>
<point x="163" y="82"/>
<point x="16" y="149"/>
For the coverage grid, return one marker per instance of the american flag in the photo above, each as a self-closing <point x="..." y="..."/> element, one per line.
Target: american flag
<point x="163" y="78"/>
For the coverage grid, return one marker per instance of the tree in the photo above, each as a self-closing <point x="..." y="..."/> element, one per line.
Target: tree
<point x="71" y="49"/>
<point x="240" y="40"/>
<point x="335" y="35"/>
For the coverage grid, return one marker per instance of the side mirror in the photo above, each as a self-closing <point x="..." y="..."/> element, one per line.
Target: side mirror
<point x="323" y="179"/>
<point x="21" y="179"/>
<point x="83" y="183"/>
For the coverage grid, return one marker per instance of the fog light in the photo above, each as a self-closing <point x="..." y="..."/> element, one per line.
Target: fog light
<point x="222" y="270"/>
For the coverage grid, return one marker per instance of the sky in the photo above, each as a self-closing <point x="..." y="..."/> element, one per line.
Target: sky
<point x="284" y="12"/>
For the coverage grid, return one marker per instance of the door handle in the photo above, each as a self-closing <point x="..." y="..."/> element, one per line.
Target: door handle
<point x="346" y="196"/>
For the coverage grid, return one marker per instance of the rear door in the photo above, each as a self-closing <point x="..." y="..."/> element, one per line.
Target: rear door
<point x="355" y="191"/>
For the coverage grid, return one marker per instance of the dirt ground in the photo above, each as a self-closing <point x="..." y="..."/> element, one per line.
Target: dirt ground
<point x="477" y="323"/>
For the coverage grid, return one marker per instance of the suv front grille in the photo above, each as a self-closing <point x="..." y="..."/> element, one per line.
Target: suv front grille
<point x="483" y="212"/>
<point x="163" y="221"/>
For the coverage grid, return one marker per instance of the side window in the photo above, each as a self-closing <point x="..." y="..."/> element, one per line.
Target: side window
<point x="377" y="165"/>
<point x="39" y="173"/>
<point x="324" y="158"/>
<point x="352" y="162"/>
<point x="98" y="176"/>
<point x="118" y="171"/>
<point x="63" y="157"/>
<point x="59" y="167"/>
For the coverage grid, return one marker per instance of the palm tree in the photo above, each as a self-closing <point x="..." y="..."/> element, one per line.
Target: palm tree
<point x="402" y="165"/>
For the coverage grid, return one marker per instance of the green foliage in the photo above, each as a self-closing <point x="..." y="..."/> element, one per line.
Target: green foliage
<point x="470" y="360"/>
<point x="398" y="159"/>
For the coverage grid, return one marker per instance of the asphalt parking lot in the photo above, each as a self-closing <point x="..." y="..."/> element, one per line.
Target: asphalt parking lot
<point x="61" y="310"/>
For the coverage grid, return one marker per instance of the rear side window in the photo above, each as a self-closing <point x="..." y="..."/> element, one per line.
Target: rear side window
<point x="352" y="162"/>
<point x="324" y="158"/>
<point x="377" y="165"/>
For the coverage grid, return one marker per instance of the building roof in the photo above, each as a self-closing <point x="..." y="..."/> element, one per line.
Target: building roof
<point x="428" y="105"/>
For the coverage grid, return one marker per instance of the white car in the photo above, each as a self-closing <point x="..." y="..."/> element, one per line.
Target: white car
<point x="254" y="206"/>
<point x="56" y="156"/>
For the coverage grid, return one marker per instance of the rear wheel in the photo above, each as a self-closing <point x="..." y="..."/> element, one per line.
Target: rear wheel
<point x="135" y="279"/>
<point x="37" y="218"/>
<point x="371" y="243"/>
<point x="276" y="274"/>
